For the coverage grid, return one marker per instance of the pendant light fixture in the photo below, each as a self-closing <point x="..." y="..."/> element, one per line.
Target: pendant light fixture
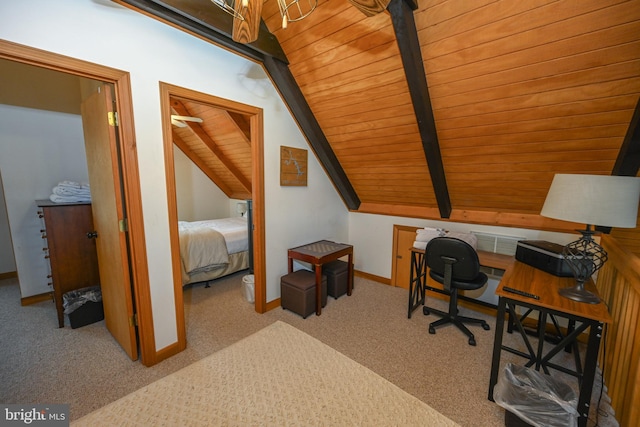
<point x="290" y="10"/>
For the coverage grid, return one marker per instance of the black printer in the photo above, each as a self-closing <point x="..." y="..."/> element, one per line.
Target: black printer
<point x="546" y="256"/>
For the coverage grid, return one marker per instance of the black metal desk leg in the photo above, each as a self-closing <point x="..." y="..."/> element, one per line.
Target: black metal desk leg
<point x="412" y="279"/>
<point x="590" y="364"/>
<point x="542" y="323"/>
<point x="497" y="346"/>
<point x="417" y="282"/>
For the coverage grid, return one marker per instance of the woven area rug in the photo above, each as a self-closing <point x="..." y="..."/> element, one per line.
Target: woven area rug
<point x="277" y="376"/>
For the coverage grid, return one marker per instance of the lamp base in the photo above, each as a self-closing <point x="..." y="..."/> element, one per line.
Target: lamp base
<point x="578" y="293"/>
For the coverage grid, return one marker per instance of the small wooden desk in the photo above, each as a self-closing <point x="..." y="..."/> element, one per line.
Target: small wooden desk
<point x="587" y="316"/>
<point x="418" y="278"/>
<point x="319" y="253"/>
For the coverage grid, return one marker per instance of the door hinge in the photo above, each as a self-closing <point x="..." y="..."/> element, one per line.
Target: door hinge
<point x="113" y="118"/>
<point x="133" y="320"/>
<point x="123" y="225"/>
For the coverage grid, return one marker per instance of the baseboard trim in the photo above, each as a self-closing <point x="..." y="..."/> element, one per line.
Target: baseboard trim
<point x="373" y="277"/>
<point x="34" y="299"/>
<point x="273" y="304"/>
<point x="8" y="275"/>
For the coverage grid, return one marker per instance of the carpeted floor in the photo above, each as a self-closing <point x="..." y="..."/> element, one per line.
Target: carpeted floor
<point x="86" y="369"/>
<point x="278" y="376"/>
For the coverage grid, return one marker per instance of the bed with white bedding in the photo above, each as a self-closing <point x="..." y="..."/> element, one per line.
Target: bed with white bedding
<point x="213" y="248"/>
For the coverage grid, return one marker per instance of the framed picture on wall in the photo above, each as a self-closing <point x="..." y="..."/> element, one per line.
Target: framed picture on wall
<point x="293" y="166"/>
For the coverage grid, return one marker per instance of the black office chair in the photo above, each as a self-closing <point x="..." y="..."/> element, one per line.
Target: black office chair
<point x="454" y="263"/>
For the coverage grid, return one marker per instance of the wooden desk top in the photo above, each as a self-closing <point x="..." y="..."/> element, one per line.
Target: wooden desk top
<point x="535" y="281"/>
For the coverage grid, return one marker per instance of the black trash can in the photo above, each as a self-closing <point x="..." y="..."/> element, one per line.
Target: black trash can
<point x="531" y="398"/>
<point x="83" y="306"/>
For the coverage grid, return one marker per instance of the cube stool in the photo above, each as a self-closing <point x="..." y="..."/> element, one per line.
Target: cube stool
<point x="298" y="292"/>
<point x="337" y="273"/>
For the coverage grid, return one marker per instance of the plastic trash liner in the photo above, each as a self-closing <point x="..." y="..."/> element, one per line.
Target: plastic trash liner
<point x="248" y="287"/>
<point x="536" y="398"/>
<point x="72" y="300"/>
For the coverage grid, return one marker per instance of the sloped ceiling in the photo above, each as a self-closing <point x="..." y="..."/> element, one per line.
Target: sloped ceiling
<point x="220" y="146"/>
<point x="514" y="92"/>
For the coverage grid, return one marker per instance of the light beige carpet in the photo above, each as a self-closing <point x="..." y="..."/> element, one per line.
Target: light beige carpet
<point x="277" y="376"/>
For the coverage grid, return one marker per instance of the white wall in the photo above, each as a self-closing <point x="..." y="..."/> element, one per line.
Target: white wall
<point x="7" y="259"/>
<point x="38" y="149"/>
<point x="197" y="196"/>
<point x="372" y="237"/>
<point x="102" y="32"/>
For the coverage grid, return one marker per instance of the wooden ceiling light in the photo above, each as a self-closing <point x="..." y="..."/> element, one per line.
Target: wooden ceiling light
<point x="295" y="10"/>
<point x="370" y="7"/>
<point x="247" y="15"/>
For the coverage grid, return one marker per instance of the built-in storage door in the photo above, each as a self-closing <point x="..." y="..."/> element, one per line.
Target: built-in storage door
<point x="404" y="238"/>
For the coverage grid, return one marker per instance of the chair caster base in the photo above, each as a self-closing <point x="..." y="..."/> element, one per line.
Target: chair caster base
<point x="486" y="326"/>
<point x="432" y="330"/>
<point x="472" y="341"/>
<point x="425" y="311"/>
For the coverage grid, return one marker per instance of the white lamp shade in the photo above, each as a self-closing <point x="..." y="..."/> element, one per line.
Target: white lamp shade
<point x="241" y="208"/>
<point x="608" y="201"/>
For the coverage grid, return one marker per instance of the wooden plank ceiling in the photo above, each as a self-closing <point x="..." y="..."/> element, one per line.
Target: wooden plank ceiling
<point x="520" y="90"/>
<point x="220" y="146"/>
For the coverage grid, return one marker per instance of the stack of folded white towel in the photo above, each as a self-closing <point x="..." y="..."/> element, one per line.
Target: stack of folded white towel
<point x="70" y="192"/>
<point x="424" y="235"/>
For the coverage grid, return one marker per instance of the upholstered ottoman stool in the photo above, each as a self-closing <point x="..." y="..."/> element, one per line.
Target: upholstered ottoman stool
<point x="298" y="292"/>
<point x="337" y="273"/>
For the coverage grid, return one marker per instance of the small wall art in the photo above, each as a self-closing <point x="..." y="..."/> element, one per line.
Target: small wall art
<point x="293" y="166"/>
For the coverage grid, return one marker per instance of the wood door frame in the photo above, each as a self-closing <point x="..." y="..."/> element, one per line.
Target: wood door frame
<point x="395" y="250"/>
<point x="257" y="192"/>
<point x="130" y="174"/>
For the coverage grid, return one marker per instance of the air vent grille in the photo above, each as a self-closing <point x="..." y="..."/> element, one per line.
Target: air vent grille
<point x="497" y="243"/>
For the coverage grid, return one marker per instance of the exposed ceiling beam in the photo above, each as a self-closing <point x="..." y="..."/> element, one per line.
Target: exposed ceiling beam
<point x="283" y="79"/>
<point x="243" y="124"/>
<point x="409" y="45"/>
<point x="628" y="161"/>
<point x="201" y="134"/>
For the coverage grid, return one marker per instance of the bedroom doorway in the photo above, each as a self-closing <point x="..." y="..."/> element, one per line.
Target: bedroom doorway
<point x="224" y="139"/>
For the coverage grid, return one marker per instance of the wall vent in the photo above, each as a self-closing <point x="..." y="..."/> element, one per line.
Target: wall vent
<point x="497" y="243"/>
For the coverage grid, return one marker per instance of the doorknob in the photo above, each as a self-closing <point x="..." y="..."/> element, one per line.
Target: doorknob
<point x="92" y="235"/>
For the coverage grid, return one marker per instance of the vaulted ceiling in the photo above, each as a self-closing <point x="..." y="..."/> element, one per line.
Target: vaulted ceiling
<point x="443" y="109"/>
<point x="220" y="145"/>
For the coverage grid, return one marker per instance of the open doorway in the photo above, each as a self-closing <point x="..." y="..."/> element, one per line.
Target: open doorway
<point x="225" y="140"/>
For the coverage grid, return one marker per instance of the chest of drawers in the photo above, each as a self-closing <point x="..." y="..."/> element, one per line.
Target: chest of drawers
<point x="71" y="248"/>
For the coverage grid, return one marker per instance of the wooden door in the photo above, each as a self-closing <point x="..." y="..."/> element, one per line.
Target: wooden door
<point x="109" y="218"/>
<point x="405" y="236"/>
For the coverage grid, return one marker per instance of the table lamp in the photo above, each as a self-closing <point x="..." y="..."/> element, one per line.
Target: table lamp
<point x="603" y="200"/>
<point x="241" y="208"/>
